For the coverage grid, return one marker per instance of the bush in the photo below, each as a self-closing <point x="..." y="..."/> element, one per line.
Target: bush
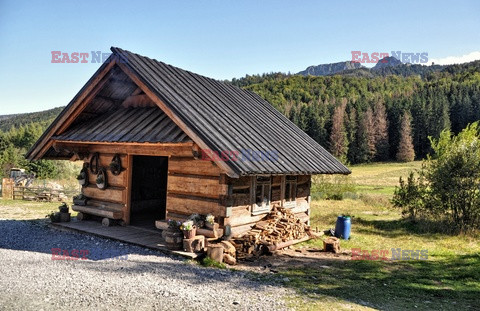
<point x="333" y="187"/>
<point x="447" y="187"/>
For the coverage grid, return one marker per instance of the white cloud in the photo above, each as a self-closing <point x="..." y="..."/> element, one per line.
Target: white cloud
<point x="470" y="57"/>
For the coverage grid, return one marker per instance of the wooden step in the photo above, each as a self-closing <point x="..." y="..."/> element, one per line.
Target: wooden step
<point x="98" y="211"/>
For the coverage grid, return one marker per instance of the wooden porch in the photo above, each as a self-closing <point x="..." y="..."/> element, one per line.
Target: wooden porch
<point x="148" y="238"/>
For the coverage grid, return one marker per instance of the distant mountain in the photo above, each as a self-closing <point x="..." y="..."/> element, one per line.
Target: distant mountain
<point x="385" y="67"/>
<point x="330" y="69"/>
<point x="388" y="61"/>
<point x="17" y="120"/>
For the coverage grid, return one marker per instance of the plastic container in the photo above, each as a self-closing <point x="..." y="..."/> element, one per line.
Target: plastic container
<point x="343" y="227"/>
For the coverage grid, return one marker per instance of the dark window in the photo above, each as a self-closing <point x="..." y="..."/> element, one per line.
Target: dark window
<point x="263" y="186"/>
<point x="290" y="191"/>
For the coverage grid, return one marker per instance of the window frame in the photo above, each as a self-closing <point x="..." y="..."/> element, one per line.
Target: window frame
<point x="290" y="199"/>
<point x="265" y="207"/>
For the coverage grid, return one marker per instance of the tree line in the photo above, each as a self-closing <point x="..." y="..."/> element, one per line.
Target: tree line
<point x="364" y="119"/>
<point x="15" y="142"/>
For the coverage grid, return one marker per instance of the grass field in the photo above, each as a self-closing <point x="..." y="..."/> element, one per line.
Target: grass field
<point x="448" y="280"/>
<point x="26" y="210"/>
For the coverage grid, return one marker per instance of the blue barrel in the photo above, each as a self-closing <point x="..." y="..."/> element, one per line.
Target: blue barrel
<point x="342" y="227"/>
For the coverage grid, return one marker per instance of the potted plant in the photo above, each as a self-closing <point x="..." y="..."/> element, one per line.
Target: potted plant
<point x="80" y="199"/>
<point x="82" y="177"/>
<point x="189" y="229"/>
<point x="173" y="236"/>
<point x="64" y="214"/>
<point x="54" y="217"/>
<point x="198" y="220"/>
<point x="209" y="221"/>
<point x="101" y="179"/>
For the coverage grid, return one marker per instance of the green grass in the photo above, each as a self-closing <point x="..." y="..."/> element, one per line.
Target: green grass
<point x="448" y="280"/>
<point x="26" y="210"/>
<point x="209" y="262"/>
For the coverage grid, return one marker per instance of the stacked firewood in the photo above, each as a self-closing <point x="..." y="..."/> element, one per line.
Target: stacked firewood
<point x="278" y="227"/>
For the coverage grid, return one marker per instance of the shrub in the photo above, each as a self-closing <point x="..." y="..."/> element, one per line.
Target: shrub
<point x="333" y="187"/>
<point x="448" y="185"/>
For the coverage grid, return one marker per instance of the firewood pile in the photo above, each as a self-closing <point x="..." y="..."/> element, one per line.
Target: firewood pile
<point x="274" y="232"/>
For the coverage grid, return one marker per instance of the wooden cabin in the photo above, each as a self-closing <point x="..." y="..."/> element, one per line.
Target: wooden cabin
<point x="171" y="143"/>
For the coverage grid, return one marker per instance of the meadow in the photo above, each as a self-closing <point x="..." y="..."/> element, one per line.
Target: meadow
<point x="449" y="279"/>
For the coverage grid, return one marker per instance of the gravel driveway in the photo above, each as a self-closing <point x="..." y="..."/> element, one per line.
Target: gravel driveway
<point x="115" y="276"/>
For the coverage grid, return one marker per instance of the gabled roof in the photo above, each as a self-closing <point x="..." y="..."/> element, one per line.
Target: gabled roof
<point x="139" y="125"/>
<point x="219" y="116"/>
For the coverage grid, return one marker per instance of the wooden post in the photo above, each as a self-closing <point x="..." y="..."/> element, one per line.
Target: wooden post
<point x="128" y="190"/>
<point x="7" y="188"/>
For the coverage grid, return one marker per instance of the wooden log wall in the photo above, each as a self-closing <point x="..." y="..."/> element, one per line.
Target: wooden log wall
<point x="242" y="199"/>
<point x="114" y="197"/>
<point x="117" y="194"/>
<point x="194" y="186"/>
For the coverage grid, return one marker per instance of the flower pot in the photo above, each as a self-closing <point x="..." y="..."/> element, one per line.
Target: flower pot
<point x="208" y="225"/>
<point x="55" y="217"/>
<point x="64" y="217"/>
<point x="173" y="239"/>
<point x="190" y="234"/>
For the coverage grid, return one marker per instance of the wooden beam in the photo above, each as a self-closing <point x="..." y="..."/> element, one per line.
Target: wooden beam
<point x="83" y="97"/>
<point x="98" y="87"/>
<point x="128" y="190"/>
<point x="152" y="149"/>
<point x="174" y="117"/>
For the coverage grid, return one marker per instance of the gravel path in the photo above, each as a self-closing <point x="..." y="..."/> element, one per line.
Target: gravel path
<point x="135" y="278"/>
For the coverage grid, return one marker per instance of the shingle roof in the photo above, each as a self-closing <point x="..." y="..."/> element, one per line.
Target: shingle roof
<point x="226" y="117"/>
<point x="127" y="125"/>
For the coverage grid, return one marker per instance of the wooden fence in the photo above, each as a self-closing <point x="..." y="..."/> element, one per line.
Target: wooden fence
<point x="41" y="194"/>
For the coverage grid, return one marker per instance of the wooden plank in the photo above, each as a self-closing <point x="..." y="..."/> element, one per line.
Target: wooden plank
<point x="236" y="231"/>
<point x="109" y="205"/>
<point x="114" y="195"/>
<point x="282" y="191"/>
<point x="210" y="188"/>
<point x="190" y="133"/>
<point x="151" y="149"/>
<point x="302" y="179"/>
<point x="192" y="166"/>
<point x="98" y="211"/>
<point x="303" y="190"/>
<point x="300" y="206"/>
<point x="241" y="199"/>
<point x="113" y="180"/>
<point x="191" y="205"/>
<point x="128" y="191"/>
<point x="242" y="182"/>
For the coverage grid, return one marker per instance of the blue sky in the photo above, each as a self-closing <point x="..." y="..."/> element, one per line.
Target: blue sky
<point x="219" y="39"/>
